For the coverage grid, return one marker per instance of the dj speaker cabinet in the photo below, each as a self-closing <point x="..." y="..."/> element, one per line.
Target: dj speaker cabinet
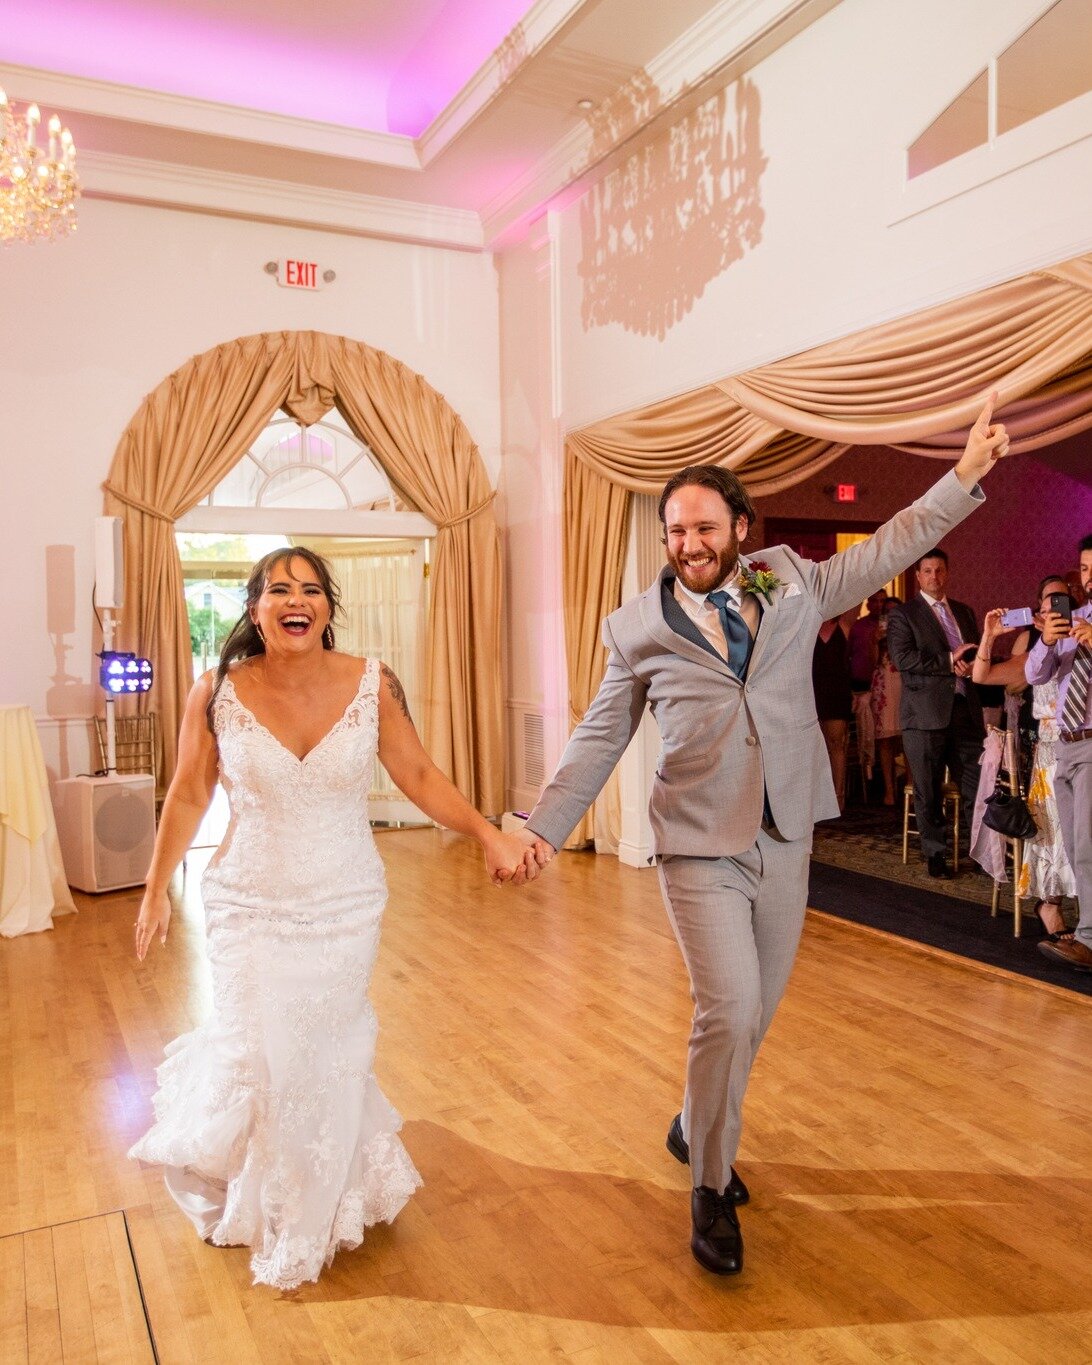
<point x="106" y="827"/>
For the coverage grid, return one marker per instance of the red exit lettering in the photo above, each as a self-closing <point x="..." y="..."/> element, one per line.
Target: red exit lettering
<point x="845" y="492"/>
<point x="299" y="274"/>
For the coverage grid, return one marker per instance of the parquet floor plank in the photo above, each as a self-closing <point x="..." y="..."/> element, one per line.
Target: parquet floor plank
<point x="73" y="1294"/>
<point x="42" y="1313"/>
<point x="13" y="1300"/>
<point x="918" y="1142"/>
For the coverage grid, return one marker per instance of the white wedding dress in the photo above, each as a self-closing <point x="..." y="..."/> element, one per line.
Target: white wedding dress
<point x="269" y="1120"/>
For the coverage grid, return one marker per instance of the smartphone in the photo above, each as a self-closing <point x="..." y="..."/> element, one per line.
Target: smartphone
<point x="1018" y="617"/>
<point x="1062" y="603"/>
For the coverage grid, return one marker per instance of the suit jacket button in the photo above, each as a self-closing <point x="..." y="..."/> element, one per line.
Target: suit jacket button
<point x="752" y="740"/>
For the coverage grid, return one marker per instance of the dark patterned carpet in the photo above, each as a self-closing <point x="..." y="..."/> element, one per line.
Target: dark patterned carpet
<point x="857" y="873"/>
<point x="869" y="839"/>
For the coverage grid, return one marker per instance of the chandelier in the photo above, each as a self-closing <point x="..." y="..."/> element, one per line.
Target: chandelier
<point x="38" y="186"/>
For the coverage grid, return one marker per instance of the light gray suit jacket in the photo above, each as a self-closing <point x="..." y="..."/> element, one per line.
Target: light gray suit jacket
<point x="725" y="742"/>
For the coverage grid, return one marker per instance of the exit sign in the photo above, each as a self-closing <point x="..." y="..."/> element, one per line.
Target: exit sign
<point x="299" y="274"/>
<point x="845" y="492"/>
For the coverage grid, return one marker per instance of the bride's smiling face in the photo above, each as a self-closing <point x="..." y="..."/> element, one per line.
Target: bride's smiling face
<point x="293" y="610"/>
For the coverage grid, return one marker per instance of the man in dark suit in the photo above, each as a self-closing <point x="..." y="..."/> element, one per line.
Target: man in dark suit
<point x="930" y="641"/>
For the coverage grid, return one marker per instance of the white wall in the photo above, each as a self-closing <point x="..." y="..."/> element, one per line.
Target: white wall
<point x="837" y="107"/>
<point x="530" y="501"/>
<point x="92" y="324"/>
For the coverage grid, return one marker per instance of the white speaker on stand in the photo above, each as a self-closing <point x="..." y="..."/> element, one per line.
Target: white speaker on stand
<point x="106" y="828"/>
<point x="106" y="824"/>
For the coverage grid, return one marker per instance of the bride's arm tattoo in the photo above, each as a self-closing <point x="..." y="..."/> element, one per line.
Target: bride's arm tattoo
<point x="397" y="691"/>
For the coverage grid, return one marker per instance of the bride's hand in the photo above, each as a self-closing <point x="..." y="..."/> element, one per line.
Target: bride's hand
<point x="154" y="917"/>
<point x="508" y="859"/>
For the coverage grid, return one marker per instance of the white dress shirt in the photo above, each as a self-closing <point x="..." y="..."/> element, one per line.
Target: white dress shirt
<point x="706" y="616"/>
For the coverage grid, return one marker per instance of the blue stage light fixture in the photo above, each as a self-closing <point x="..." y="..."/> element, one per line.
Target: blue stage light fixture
<point x="122" y="674"/>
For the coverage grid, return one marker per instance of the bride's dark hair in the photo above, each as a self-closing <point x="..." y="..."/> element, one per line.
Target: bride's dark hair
<point x="245" y="642"/>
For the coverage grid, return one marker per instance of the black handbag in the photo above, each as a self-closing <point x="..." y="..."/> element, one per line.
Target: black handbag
<point x="1007" y="813"/>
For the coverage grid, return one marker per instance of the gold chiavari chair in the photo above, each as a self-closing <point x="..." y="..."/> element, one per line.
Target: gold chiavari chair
<point x="951" y="799"/>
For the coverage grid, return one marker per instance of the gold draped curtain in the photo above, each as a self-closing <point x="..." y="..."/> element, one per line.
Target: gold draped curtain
<point x="199" y="423"/>
<point x="916" y="384"/>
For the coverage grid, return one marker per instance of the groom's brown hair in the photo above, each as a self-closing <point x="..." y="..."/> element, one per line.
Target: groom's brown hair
<point x="721" y="481"/>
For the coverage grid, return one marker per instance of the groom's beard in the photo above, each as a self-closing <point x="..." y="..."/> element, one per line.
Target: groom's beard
<point x="705" y="577"/>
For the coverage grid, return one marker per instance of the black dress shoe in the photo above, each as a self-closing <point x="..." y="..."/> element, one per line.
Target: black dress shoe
<point x="938" y="867"/>
<point x="677" y="1145"/>
<point x="715" y="1238"/>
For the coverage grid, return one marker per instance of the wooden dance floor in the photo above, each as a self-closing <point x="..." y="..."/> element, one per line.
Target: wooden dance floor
<point x="918" y="1146"/>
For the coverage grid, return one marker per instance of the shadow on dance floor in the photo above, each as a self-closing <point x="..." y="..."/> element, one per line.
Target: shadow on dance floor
<point x="824" y="1247"/>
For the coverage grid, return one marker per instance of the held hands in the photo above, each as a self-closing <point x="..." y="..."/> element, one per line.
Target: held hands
<point x="1082" y="632"/>
<point x="515" y="858"/>
<point x="154" y="917"/>
<point x="987" y="443"/>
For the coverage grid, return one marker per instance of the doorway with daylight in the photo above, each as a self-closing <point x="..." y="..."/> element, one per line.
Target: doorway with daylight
<point x="317" y="486"/>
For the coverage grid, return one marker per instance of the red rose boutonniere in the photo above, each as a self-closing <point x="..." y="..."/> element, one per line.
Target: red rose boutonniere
<point x="759" y="578"/>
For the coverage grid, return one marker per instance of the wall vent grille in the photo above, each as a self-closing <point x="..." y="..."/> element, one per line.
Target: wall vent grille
<point x="533" y="772"/>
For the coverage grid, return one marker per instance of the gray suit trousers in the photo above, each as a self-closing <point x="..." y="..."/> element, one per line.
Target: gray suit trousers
<point x="1073" y="792"/>
<point x="738" y="923"/>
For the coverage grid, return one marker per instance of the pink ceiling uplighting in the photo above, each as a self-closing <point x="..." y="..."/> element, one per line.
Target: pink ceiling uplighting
<point x="383" y="65"/>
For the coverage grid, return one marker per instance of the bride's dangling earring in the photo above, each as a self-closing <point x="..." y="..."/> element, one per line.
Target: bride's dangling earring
<point x="328" y="636"/>
<point x="258" y="628"/>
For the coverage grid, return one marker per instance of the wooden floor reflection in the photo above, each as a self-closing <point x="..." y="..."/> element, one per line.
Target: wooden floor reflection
<point x="918" y="1147"/>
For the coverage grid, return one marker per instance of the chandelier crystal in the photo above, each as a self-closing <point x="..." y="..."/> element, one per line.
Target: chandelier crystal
<point x="38" y="185"/>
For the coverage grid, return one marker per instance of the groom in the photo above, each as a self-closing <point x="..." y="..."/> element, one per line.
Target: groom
<point x="720" y="648"/>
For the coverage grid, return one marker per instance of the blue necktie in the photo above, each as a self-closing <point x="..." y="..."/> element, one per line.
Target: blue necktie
<point x="735" y="632"/>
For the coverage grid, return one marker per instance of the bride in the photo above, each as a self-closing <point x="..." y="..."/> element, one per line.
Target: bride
<point x="270" y="1125"/>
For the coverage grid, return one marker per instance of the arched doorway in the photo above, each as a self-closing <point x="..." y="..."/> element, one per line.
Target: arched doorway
<point x="197" y="426"/>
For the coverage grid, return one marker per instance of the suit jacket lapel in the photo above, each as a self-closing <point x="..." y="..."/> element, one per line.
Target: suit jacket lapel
<point x="670" y="626"/>
<point x="935" y="631"/>
<point x="767" y="621"/>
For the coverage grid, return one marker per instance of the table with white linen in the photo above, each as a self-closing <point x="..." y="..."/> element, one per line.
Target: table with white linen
<point x="33" y="887"/>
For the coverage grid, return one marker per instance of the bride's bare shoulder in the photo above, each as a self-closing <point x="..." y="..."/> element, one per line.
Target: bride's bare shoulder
<point x="346" y="665"/>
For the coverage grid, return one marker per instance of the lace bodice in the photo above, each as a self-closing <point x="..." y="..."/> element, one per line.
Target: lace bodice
<point x="299" y="824"/>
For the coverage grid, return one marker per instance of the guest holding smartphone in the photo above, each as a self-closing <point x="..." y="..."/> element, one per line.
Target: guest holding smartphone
<point x="1045" y="872"/>
<point x="1064" y="655"/>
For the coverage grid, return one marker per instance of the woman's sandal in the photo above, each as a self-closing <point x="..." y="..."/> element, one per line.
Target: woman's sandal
<point x="1058" y="935"/>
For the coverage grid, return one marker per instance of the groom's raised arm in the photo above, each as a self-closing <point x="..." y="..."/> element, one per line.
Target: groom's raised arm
<point x="594" y="747"/>
<point x="847" y="578"/>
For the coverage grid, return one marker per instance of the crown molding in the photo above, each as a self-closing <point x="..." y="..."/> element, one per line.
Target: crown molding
<point x="720" y="47"/>
<point x="537" y="28"/>
<point x="166" y="185"/>
<point x="78" y="94"/>
<point x="725" y="42"/>
<point x="725" y="33"/>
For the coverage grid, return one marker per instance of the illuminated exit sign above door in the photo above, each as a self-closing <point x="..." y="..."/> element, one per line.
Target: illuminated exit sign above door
<point x="299" y="274"/>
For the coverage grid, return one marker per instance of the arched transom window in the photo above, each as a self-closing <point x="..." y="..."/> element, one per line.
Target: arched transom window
<point x="322" y="466"/>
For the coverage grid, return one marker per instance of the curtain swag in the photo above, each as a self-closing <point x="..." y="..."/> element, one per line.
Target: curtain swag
<point x="191" y="430"/>
<point x="915" y="384"/>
